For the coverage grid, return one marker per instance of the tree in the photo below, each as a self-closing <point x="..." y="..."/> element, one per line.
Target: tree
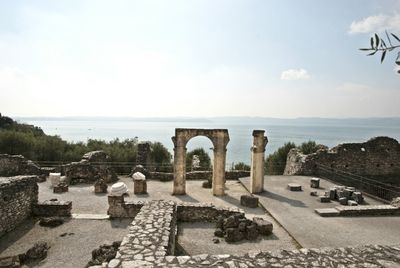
<point x="378" y="44"/>
<point x="205" y="161"/>
<point x="241" y="166"/>
<point x="160" y="157"/>
<point x="276" y="162"/>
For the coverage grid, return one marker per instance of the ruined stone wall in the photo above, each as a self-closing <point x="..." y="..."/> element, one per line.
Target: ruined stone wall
<point x="143" y="154"/>
<point x="378" y="157"/>
<point x="18" y="195"/>
<point x="14" y="165"/>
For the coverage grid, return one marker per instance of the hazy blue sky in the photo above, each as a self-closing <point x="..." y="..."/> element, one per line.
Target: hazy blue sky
<point x="196" y="58"/>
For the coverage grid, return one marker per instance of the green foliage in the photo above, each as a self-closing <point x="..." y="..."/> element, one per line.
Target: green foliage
<point x="378" y="44"/>
<point x="276" y="162"/>
<point x="34" y="144"/>
<point x="308" y="147"/>
<point x="241" y="166"/>
<point x="205" y="161"/>
<point x="160" y="157"/>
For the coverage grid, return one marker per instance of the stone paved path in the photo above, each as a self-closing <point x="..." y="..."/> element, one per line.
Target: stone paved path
<point x="363" y="256"/>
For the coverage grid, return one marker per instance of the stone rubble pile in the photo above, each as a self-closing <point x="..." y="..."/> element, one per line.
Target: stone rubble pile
<point x="345" y="195"/>
<point x="237" y="228"/>
<point x="35" y="253"/>
<point x="51" y="221"/>
<point x="104" y="253"/>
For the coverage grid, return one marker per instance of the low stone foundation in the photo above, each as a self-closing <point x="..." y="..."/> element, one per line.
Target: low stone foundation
<point x="362" y="256"/>
<point x="377" y="210"/>
<point x="204" y="212"/>
<point x="118" y="208"/>
<point x="53" y="208"/>
<point x="186" y="211"/>
<point x="151" y="236"/>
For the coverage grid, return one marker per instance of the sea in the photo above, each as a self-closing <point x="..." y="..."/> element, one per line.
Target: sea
<point x="329" y="132"/>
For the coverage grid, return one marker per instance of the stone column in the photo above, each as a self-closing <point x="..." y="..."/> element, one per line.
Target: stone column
<point x="257" y="161"/>
<point x="218" y="183"/>
<point x="179" y="170"/>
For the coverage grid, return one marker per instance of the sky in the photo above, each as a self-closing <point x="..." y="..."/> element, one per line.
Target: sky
<point x="279" y="58"/>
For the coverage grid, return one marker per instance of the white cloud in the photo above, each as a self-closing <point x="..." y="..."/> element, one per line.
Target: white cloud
<point x="293" y="74"/>
<point x="376" y="23"/>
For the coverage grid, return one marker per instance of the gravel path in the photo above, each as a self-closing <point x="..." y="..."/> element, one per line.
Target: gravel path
<point x="71" y="250"/>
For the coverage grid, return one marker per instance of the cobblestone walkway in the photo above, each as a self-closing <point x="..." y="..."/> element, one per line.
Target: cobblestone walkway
<point x="365" y="256"/>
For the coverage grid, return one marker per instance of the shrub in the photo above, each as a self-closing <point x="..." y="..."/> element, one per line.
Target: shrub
<point x="160" y="157"/>
<point x="308" y="147"/>
<point x="276" y="162"/>
<point x="205" y="160"/>
<point x="241" y="166"/>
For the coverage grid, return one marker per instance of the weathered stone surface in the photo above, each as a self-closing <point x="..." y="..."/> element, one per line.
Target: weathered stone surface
<point x="93" y="166"/>
<point x="51" y="221"/>
<point x="118" y="189"/>
<point x="352" y="203"/>
<point x="100" y="186"/>
<point x="368" y="210"/>
<point x="332" y="193"/>
<point x="17" y="197"/>
<point x="314" y="182"/>
<point x="38" y="251"/>
<point x="343" y="201"/>
<point x="324" y="199"/>
<point x="294" y="187"/>
<point x="233" y="235"/>
<point x="358" y="197"/>
<point x="395" y="202"/>
<point x="62" y="187"/>
<point x="264" y="227"/>
<point x="105" y="253"/>
<point x="219" y="233"/>
<point x="140" y="184"/>
<point x="327" y="212"/>
<point x="249" y="201"/>
<point x="53" y="208"/>
<point x="14" y="165"/>
<point x="251" y="232"/>
<point x="359" y="158"/>
<point x="257" y="161"/>
<point x="219" y="138"/>
<point x="151" y="235"/>
<point x="371" y="256"/>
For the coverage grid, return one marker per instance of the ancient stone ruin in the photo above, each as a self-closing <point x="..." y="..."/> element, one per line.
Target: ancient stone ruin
<point x="14" y="165"/>
<point x="237" y="228"/>
<point x="93" y="166"/>
<point x="379" y="156"/>
<point x="219" y="138"/>
<point x="257" y="161"/>
<point x="18" y="195"/>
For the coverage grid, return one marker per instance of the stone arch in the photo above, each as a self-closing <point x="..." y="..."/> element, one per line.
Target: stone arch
<point x="219" y="139"/>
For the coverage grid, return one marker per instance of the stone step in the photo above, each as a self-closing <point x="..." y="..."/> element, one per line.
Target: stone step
<point x="90" y="216"/>
<point x="327" y="212"/>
